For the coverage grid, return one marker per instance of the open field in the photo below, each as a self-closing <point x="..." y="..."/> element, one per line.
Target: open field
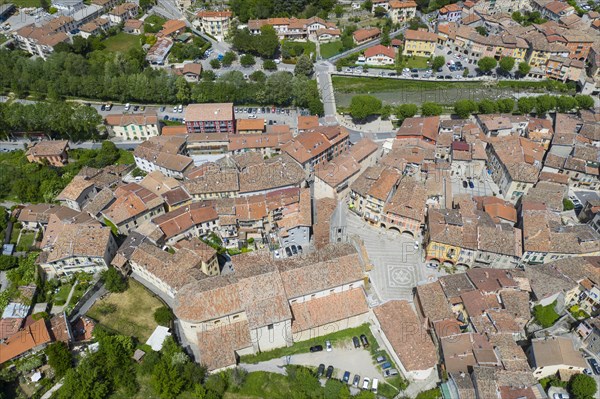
<point x="132" y="311"/>
<point x="330" y="49"/>
<point x="122" y="42"/>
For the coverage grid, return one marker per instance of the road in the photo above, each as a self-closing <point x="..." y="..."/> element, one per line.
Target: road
<point x="364" y="46"/>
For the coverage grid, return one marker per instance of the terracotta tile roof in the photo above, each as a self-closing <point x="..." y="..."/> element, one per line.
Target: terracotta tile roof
<point x="214" y="14"/>
<point x="172" y="26"/>
<point x="314" y="142"/>
<point x="100" y="202"/>
<point x="555" y="351"/>
<point x="173" y="130"/>
<point x="402" y="4"/>
<point x="259" y="141"/>
<point x="176" y="196"/>
<point x="306" y="122"/>
<point x="511" y="355"/>
<point x="433" y="302"/>
<point x="409" y="200"/>
<point x="60" y="329"/>
<point x="446" y="328"/>
<point x="463" y="351"/>
<point x="217" y="346"/>
<point x="133" y="24"/>
<point x="213" y="181"/>
<point x="123" y="9"/>
<point x="421" y="127"/>
<point x="29" y="338"/>
<point x="379" y="49"/>
<point x="338" y="170"/>
<point x="63" y="240"/>
<point x="250" y="124"/>
<point x="322" y="225"/>
<point x="159" y="183"/>
<point x="420" y="35"/>
<point x="516" y="303"/>
<point x="74" y="189"/>
<point x="454" y="285"/>
<point x="185" y="218"/>
<point x="131" y="201"/>
<point x="48" y="148"/>
<point x="273" y="173"/>
<point x="450" y="8"/>
<point x="209" y="112"/>
<point x="366" y="34"/>
<point x="406" y="334"/>
<point x="476" y="302"/>
<point x="9" y="327"/>
<point x="491" y="280"/>
<point x="547" y="193"/>
<point x="464" y="385"/>
<point x="328" y="309"/>
<point x="251" y="208"/>
<point x="148" y="118"/>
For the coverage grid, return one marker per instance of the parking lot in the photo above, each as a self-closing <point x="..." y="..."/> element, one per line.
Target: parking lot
<point x="473" y="187"/>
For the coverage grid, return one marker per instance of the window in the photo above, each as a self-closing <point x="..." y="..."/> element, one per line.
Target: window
<point x="235" y="317"/>
<point x="270" y="326"/>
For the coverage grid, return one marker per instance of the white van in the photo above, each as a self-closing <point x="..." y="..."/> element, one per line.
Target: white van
<point x="374" y="385"/>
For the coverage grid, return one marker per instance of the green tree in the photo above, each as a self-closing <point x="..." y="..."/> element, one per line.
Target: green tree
<point x="267" y="42"/>
<point x="524" y="68"/>
<point x="335" y="389"/>
<point x="582" y="386"/>
<point x="228" y="58"/>
<point x="487" y="107"/>
<point x="363" y="106"/>
<point x="304" y="66"/>
<point x="584" y="101"/>
<point x="525" y="105"/>
<point x="481" y="30"/>
<point x="406" y="111"/>
<point x="163" y="316"/>
<point x="506" y="64"/>
<point x="379" y="12"/>
<point x="215" y="63"/>
<point x="385" y="36"/>
<point x="568" y="205"/>
<point x="258" y="76"/>
<point x="8" y="262"/>
<point x="464" y="108"/>
<point x="367" y="5"/>
<point x="431" y="109"/>
<point x="506" y="105"/>
<point x="338" y="11"/>
<point x="438" y="62"/>
<point x="269" y="65"/>
<point x="247" y="60"/>
<point x="183" y="90"/>
<point x="566" y="103"/>
<point x="486" y="64"/>
<point x="114" y="280"/>
<point x="208" y="75"/>
<point x="544" y="104"/>
<point x="59" y="358"/>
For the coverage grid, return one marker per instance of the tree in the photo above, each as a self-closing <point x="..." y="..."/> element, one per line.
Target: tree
<point x="584" y="101"/>
<point x="269" y="65"/>
<point x="524" y="68"/>
<point x="338" y="11"/>
<point x="406" y="111"/>
<point x="228" y="58"/>
<point x="481" y="30"/>
<point x="304" y="66"/>
<point x="163" y="316"/>
<point x="363" y="106"/>
<point x="367" y="5"/>
<point x="215" y="63"/>
<point x="525" y="105"/>
<point x="247" y="60"/>
<point x="566" y="103"/>
<point x="113" y="280"/>
<point x="431" y="109"/>
<point x="336" y="389"/>
<point x="208" y="75"/>
<point x="7" y="262"/>
<point x="379" y="12"/>
<point x="465" y="73"/>
<point x="487" y="107"/>
<point x="385" y="36"/>
<point x="258" y="76"/>
<point x="486" y="64"/>
<point x="267" y="42"/>
<point x="582" y="386"/>
<point x="438" y="62"/>
<point x="464" y="108"/>
<point x="507" y="64"/>
<point x="544" y="104"/>
<point x="506" y="105"/>
<point x="59" y="358"/>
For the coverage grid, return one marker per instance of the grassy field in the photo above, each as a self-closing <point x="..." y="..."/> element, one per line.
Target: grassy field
<point x="122" y="42"/>
<point x="330" y="49"/>
<point x="351" y="84"/>
<point x="22" y="3"/>
<point x="261" y="384"/>
<point x="26" y="241"/>
<point x="415" y="62"/>
<point x="131" y="311"/>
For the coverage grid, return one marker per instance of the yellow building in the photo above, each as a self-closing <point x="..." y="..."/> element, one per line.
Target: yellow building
<point x="419" y="43"/>
<point x="401" y="11"/>
<point x="442" y="252"/>
<point x="214" y="23"/>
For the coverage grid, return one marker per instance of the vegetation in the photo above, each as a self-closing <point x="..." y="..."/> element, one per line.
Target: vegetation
<point x="438" y="62"/>
<point x="132" y="308"/>
<point x="434" y="393"/>
<point x="247" y="60"/>
<point x="59" y="358"/>
<point x="431" y="109"/>
<point x="164" y="316"/>
<point x="188" y="51"/>
<point x="114" y="280"/>
<point x="265" y="44"/>
<point x="330" y="49"/>
<point x="528" y="18"/>
<point x="582" y="386"/>
<point x="545" y="316"/>
<point x="256" y="9"/>
<point x="363" y="106"/>
<point x="153" y="23"/>
<point x="524" y="68"/>
<point x="506" y="64"/>
<point x="122" y="43"/>
<point x="291" y="50"/>
<point x="486" y="64"/>
<point x="578" y="313"/>
<point x="33" y="182"/>
<point x="568" y="205"/>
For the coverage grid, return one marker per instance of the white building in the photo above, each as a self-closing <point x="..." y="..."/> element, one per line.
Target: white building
<point x="134" y="126"/>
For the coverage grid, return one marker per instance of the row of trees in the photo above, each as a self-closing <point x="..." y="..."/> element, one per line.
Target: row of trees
<point x="258" y="9"/>
<point x="265" y="44"/>
<point x="364" y="106"/>
<point x="66" y="120"/>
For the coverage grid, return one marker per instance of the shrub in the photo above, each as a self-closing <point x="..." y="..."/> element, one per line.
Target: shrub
<point x="163" y="316"/>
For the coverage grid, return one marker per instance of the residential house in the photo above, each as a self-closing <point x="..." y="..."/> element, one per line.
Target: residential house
<point x="450" y="13"/>
<point x="406" y="339"/>
<point x="172" y="28"/>
<point x="405" y="211"/>
<point x="317" y="145"/>
<point x="163" y="153"/>
<point x="291" y="28"/>
<point x="552" y="9"/>
<point x="267" y="144"/>
<point x="210" y="118"/>
<point x="68" y="248"/>
<point x="193" y="220"/>
<point x="306" y="122"/>
<point x="133" y="126"/>
<point x="550" y="355"/>
<point x="328" y="35"/>
<point x="32" y="338"/>
<point x="133" y="206"/>
<point x="190" y="71"/>
<point x="372" y="190"/>
<point x="214" y="23"/>
<point x="134" y="26"/>
<point x="422" y="128"/>
<point x="94" y="27"/>
<point x="402" y="10"/>
<point x="380" y="55"/>
<point x="419" y="43"/>
<point x="364" y="35"/>
<point x="157" y="54"/>
<point x="54" y="152"/>
<point x="77" y="193"/>
<point x="122" y="13"/>
<point x="250" y="126"/>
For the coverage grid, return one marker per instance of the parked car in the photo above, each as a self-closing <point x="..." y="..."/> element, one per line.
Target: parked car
<point x="390" y="373"/>
<point x="386" y="365"/>
<point x="471" y="185"/>
<point x="102" y="107"/>
<point x="329" y="372"/>
<point x="180" y="108"/>
<point x="356" y="381"/>
<point x="328" y="346"/>
<point x="588" y="372"/>
<point x="346" y="377"/>
<point x="320" y="370"/>
<point x="464" y="184"/>
<point x="431" y="265"/>
<point x="175" y="109"/>
<point x="416" y="244"/>
<point x="288" y="251"/>
<point x="136" y="107"/>
<point x="364" y="341"/>
<point x="127" y="106"/>
<point x="108" y="106"/>
<point x="166" y="117"/>
<point x="162" y="109"/>
<point x="381" y="359"/>
<point x="595" y="366"/>
<point x="561" y="396"/>
<point x="366" y="382"/>
<point x="356" y="342"/>
<point x="316" y="348"/>
<point x="374" y="385"/>
<point x="252" y="116"/>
